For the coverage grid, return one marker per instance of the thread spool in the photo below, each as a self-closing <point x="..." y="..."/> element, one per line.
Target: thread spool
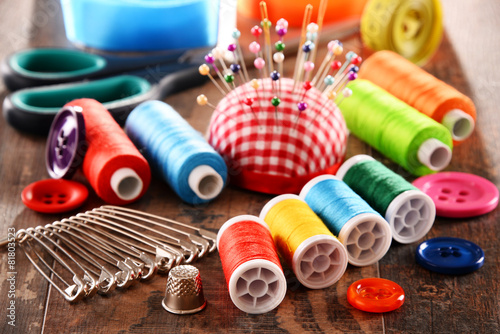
<point x="177" y="152"/>
<point x="409" y="138"/>
<point x="409" y="211"/>
<point x="253" y="272"/>
<point x="364" y="233"/>
<point x="317" y="258"/>
<point x="117" y="172"/>
<point x="413" y="29"/>
<point x="421" y="90"/>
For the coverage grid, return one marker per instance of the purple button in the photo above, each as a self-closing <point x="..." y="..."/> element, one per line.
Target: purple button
<point x="66" y="145"/>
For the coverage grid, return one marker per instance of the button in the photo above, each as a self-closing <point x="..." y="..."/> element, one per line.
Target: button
<point x="448" y="255"/>
<point x="66" y="144"/>
<point x="375" y="295"/>
<point x="459" y="195"/>
<point x="54" y="196"/>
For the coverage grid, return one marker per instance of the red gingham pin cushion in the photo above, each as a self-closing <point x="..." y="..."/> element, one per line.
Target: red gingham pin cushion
<point x="277" y="149"/>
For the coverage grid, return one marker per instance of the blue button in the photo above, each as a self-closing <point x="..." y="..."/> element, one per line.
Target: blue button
<point x="448" y="255"/>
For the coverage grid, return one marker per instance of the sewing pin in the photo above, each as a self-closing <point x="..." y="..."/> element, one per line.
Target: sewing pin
<point x="205" y="70"/>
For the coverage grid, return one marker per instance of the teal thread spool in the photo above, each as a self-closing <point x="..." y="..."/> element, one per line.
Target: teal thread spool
<point x="409" y="211"/>
<point x="364" y="233"/>
<point x="409" y="138"/>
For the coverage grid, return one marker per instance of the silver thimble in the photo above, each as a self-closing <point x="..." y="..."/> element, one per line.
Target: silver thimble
<point x="184" y="293"/>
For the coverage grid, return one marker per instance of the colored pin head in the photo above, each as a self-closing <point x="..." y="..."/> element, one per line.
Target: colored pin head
<point x="275" y="75"/>
<point x="302" y="106"/>
<point x="279" y="57"/>
<point x="201" y="100"/>
<point x="235" y="68"/>
<point x="236" y="34"/>
<point x="308" y="46"/>
<point x="204" y="69"/>
<point x="254" y="47"/>
<point x="209" y="58"/>
<point x="279" y="45"/>
<point x="259" y="63"/>
<point x="256" y="31"/>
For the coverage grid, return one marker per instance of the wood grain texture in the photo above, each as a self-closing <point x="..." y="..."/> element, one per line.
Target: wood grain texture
<point x="467" y="59"/>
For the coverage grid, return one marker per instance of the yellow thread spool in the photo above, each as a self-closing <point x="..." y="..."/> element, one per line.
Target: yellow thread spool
<point x="317" y="258"/>
<point x="413" y="29"/>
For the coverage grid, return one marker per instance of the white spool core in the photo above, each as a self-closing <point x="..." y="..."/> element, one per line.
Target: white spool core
<point x="320" y="260"/>
<point x="126" y="184"/>
<point x="367" y="238"/>
<point x="351" y="162"/>
<point x="434" y="154"/>
<point x="459" y="123"/>
<point x="205" y="182"/>
<point x="257" y="286"/>
<point x="411" y="215"/>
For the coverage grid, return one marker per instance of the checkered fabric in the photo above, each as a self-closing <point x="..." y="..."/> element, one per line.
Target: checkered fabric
<point x="278" y="141"/>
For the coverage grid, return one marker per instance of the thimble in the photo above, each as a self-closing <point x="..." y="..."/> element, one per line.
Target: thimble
<point x="184" y="293"/>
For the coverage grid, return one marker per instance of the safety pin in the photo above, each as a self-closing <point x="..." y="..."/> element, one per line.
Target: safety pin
<point x="123" y="230"/>
<point x="210" y="236"/>
<point x="144" y="261"/>
<point x="186" y="246"/>
<point x="129" y="273"/>
<point x="165" y="258"/>
<point x="84" y="286"/>
<point x="202" y="243"/>
<point x="106" y="281"/>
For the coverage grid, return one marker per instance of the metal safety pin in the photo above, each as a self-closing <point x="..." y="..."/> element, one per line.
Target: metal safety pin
<point x="140" y="259"/>
<point x="186" y="246"/>
<point x="202" y="243"/>
<point x="128" y="274"/>
<point x="210" y="236"/>
<point x="106" y="281"/>
<point x="135" y="235"/>
<point x="84" y="286"/>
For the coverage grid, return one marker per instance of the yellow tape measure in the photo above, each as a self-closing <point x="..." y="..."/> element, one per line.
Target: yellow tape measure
<point x="411" y="28"/>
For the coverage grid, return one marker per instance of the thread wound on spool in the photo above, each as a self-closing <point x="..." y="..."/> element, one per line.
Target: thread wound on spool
<point x="364" y="233"/>
<point x="421" y="90"/>
<point x="110" y="150"/>
<point x="409" y="211"/>
<point x="392" y="127"/>
<point x="251" y="265"/>
<point x="177" y="152"/>
<point x="317" y="258"/>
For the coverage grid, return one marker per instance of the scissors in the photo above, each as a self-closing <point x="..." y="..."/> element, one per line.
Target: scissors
<point x="44" y="80"/>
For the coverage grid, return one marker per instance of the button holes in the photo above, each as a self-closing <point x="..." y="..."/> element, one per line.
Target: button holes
<point x="61" y="195"/>
<point x="446" y="191"/>
<point x="61" y="134"/>
<point x="47" y="195"/>
<point x="442" y="198"/>
<point x="65" y="142"/>
<point x="47" y="202"/>
<point x="460" y="200"/>
<point x="61" y="201"/>
<point x="463" y="193"/>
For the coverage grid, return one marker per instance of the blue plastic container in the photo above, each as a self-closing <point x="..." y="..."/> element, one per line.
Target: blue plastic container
<point x="141" y="25"/>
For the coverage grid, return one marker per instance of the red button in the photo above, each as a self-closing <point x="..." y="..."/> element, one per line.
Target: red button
<point x="54" y="196"/>
<point x="375" y="295"/>
<point x="459" y="195"/>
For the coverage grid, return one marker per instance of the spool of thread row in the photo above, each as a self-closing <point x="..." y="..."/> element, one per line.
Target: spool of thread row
<point x="253" y="272"/>
<point x="364" y="233"/>
<point x="421" y="90"/>
<point x="317" y="258"/>
<point x="409" y="138"/>
<point x="115" y="169"/>
<point x="409" y="211"/>
<point x="177" y="152"/>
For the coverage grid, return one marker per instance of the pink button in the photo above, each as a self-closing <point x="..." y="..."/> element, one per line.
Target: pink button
<point x="459" y="195"/>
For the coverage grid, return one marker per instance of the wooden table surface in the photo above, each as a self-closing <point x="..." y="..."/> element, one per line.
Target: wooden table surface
<point x="467" y="59"/>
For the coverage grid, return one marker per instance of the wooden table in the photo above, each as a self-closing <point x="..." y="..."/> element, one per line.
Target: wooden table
<point x="467" y="59"/>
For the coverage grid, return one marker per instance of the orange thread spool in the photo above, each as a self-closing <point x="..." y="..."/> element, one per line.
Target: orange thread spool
<point x="421" y="90"/>
<point x="115" y="169"/>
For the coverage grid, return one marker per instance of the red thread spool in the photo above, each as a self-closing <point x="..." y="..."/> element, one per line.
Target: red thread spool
<point x="253" y="272"/>
<point x="113" y="166"/>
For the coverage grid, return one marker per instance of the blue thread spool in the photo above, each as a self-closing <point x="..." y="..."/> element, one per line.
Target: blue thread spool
<point x="365" y="234"/>
<point x="177" y="152"/>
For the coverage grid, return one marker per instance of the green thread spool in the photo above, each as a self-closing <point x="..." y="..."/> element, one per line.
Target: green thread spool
<point x="409" y="211"/>
<point x="407" y="137"/>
